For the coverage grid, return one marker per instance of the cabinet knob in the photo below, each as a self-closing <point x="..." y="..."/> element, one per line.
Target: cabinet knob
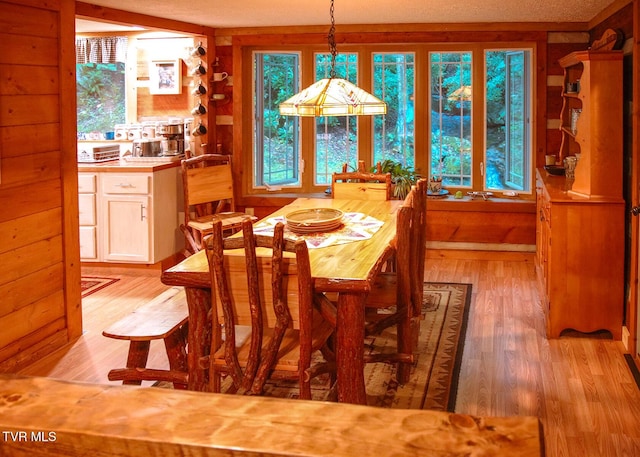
<point x="635" y="210"/>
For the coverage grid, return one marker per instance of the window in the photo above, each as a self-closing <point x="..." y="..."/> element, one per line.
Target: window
<point x="100" y="83"/>
<point x="277" y="138"/>
<point x="507" y="123"/>
<point x="451" y="96"/>
<point x="336" y="137"/>
<point x="394" y="82"/>
<point x="461" y="112"/>
<point x="504" y="159"/>
<point x="101" y="96"/>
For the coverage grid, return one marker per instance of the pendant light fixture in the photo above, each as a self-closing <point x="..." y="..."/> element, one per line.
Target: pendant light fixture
<point x="333" y="96"/>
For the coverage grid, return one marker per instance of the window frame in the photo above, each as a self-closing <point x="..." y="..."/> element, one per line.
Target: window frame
<point x="353" y="122"/>
<point x="422" y="140"/>
<point x="530" y="108"/>
<point x="298" y="164"/>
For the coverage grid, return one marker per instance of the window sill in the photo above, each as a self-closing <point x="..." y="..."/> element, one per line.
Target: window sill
<point x="495" y="205"/>
<point x="277" y="199"/>
<point x="465" y="204"/>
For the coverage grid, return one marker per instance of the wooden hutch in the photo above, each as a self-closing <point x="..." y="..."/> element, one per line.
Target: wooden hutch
<point x="580" y="224"/>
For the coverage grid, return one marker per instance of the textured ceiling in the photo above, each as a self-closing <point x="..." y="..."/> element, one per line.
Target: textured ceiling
<point x="259" y="13"/>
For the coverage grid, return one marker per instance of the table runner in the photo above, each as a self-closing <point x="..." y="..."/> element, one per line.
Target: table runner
<point x="355" y="227"/>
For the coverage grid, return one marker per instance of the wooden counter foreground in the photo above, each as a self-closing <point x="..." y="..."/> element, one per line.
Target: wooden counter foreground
<point x="41" y="416"/>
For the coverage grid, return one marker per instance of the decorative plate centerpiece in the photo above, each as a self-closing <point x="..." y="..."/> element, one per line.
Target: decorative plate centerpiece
<point x="314" y="220"/>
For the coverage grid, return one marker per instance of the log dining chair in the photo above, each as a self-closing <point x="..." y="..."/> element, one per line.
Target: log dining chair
<point x="208" y="190"/>
<point x="360" y="184"/>
<point x="265" y="305"/>
<point x="396" y="296"/>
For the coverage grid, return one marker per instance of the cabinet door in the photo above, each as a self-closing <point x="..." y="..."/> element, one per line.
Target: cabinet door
<point x="546" y="255"/>
<point x="539" y="222"/>
<point x="127" y="228"/>
<point x="88" y="245"/>
<point x="87" y="209"/>
<point x="87" y="183"/>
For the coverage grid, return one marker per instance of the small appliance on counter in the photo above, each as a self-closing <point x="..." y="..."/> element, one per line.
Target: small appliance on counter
<point x="146" y="148"/>
<point x="173" y="142"/>
<point x="94" y="154"/>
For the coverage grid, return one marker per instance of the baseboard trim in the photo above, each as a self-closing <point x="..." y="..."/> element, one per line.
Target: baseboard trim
<point x="500" y="247"/>
<point x="625" y="337"/>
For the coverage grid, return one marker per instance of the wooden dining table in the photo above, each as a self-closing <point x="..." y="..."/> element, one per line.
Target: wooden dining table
<point x="345" y="269"/>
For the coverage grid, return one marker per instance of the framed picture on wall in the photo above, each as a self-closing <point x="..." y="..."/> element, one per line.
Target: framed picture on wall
<point x="165" y="77"/>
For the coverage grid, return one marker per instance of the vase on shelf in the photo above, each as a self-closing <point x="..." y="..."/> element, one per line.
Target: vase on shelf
<point x="435" y="185"/>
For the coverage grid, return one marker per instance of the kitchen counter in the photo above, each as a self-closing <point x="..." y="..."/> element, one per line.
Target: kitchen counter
<point x="126" y="166"/>
<point x="140" y="197"/>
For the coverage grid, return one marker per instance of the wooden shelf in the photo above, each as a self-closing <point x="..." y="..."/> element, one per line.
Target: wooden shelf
<point x="580" y="224"/>
<point x="597" y="136"/>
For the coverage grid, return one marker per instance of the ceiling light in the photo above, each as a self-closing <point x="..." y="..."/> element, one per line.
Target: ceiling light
<point x="333" y="96"/>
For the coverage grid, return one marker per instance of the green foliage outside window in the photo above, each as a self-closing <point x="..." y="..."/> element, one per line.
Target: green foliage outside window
<point x="504" y="156"/>
<point x="100" y="96"/>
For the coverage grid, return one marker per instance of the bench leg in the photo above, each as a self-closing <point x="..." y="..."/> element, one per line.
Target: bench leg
<point x="137" y="358"/>
<point x="175" y="345"/>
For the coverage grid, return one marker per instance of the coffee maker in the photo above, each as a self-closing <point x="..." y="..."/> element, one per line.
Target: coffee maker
<point x="172" y="143"/>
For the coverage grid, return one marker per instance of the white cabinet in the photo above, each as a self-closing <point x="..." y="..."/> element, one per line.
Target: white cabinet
<point x="136" y="217"/>
<point x="87" y="188"/>
<point x="126" y="203"/>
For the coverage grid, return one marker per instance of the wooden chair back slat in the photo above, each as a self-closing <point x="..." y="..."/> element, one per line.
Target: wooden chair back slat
<point x="418" y="240"/>
<point x="404" y="255"/>
<point x="360" y="191"/>
<point x="361" y="185"/>
<point x="212" y="183"/>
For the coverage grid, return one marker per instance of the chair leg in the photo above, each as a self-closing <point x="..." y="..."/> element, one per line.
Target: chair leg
<point x="305" y="387"/>
<point x="137" y="358"/>
<point x="175" y="345"/>
<point x="405" y="344"/>
<point x="191" y="245"/>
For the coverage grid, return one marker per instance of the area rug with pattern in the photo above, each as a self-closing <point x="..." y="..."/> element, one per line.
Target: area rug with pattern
<point x="434" y="377"/>
<point x="91" y="284"/>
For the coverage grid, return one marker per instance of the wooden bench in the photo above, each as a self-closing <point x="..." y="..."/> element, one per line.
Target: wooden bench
<point x="165" y="317"/>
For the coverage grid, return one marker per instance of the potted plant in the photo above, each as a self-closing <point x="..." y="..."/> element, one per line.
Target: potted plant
<point x="402" y="177"/>
<point x="434" y="186"/>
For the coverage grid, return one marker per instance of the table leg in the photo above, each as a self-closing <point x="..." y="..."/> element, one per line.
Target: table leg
<point x="199" y="336"/>
<point x="350" y="348"/>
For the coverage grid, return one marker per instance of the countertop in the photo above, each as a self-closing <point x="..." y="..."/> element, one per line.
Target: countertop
<point x="126" y="166"/>
<point x="558" y="189"/>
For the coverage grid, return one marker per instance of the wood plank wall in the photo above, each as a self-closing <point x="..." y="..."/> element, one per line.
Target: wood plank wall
<point x="39" y="254"/>
<point x="40" y="304"/>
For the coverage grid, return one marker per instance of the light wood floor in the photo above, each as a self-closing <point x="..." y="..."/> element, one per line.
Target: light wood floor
<point x="581" y="388"/>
